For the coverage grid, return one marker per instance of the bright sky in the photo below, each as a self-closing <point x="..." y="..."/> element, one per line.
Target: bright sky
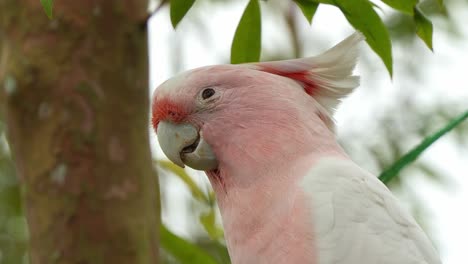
<point x="193" y="46"/>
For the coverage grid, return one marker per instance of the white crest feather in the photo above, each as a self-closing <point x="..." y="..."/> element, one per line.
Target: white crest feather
<point x="333" y="70"/>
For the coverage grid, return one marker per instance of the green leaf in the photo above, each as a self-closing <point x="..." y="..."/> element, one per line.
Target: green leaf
<point x="208" y="221"/>
<point x="413" y="154"/>
<point x="194" y="189"/>
<point x="183" y="250"/>
<point x="423" y="27"/>
<point x="308" y="8"/>
<point x="377" y="6"/>
<point x="246" y="46"/>
<point x="48" y="7"/>
<point x="179" y="9"/>
<point x="329" y="2"/>
<point x="405" y="6"/>
<point x="363" y="17"/>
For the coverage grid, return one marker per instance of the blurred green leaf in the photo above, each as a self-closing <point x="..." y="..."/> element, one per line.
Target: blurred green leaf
<point x="182" y="250"/>
<point x="216" y="249"/>
<point x="308" y="8"/>
<point x="182" y="174"/>
<point x="363" y="17"/>
<point x="10" y="201"/>
<point x="246" y="46"/>
<point x="430" y="172"/>
<point x="48" y="7"/>
<point x="13" y="230"/>
<point x="405" y="6"/>
<point x="7" y="176"/>
<point x="413" y="154"/>
<point x="208" y="221"/>
<point x="441" y="3"/>
<point x="179" y="9"/>
<point x="423" y="27"/>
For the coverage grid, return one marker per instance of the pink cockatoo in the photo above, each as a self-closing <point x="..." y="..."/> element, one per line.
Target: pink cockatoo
<point x="287" y="192"/>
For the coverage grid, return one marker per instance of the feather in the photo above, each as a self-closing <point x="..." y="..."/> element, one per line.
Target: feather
<point x="326" y="77"/>
<point x="358" y="220"/>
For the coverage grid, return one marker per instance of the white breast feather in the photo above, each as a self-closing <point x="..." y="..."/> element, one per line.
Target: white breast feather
<point x="358" y="220"/>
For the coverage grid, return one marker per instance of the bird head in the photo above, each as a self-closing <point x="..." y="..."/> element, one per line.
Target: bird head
<point x="253" y="110"/>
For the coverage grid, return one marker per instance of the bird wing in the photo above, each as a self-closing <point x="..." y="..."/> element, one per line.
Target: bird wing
<point x="358" y="220"/>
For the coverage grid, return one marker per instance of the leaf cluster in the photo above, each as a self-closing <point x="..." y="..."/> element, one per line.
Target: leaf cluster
<point x="361" y="14"/>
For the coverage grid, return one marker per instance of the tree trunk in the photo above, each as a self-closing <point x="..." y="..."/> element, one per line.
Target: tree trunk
<point x="76" y="103"/>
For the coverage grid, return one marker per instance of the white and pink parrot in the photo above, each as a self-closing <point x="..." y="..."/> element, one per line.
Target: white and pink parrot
<point x="287" y="192"/>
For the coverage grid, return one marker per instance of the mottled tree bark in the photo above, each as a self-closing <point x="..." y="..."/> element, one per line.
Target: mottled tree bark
<point x="74" y="91"/>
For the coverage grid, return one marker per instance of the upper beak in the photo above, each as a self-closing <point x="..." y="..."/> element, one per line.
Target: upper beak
<point x="183" y="144"/>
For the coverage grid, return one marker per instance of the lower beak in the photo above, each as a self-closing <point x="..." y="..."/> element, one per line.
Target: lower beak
<point x="183" y="144"/>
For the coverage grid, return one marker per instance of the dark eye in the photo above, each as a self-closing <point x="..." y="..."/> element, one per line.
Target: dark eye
<point x="207" y="93"/>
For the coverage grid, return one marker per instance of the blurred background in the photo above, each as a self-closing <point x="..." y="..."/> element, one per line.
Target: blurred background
<point x="377" y="124"/>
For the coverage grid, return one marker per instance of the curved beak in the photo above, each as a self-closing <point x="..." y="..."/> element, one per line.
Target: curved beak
<point x="183" y="144"/>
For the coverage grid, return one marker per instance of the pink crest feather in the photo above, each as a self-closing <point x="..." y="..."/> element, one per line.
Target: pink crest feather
<point x="327" y="77"/>
<point x="304" y="77"/>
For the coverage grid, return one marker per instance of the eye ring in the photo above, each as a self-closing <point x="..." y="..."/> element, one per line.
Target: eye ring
<point x="207" y="93"/>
